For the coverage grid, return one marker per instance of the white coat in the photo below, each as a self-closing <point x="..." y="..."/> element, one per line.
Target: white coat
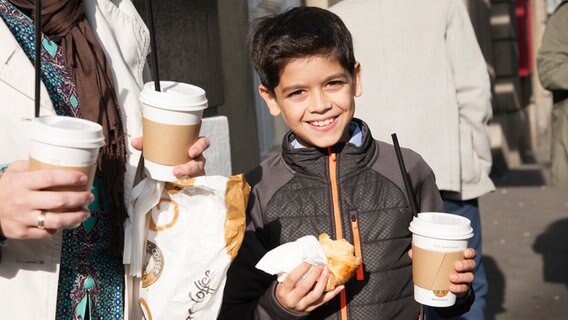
<point x="425" y="79"/>
<point x="29" y="268"/>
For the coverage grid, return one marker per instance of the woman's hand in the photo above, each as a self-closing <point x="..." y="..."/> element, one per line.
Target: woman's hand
<point x="303" y="289"/>
<point x="193" y="168"/>
<point x="27" y="211"/>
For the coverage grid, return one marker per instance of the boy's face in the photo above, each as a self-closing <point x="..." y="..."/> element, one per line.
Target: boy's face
<point x="316" y="98"/>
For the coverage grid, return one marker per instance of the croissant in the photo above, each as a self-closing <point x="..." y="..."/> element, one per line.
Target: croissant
<point x="342" y="262"/>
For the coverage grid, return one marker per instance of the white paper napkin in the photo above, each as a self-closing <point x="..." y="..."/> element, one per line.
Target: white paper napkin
<point x="286" y="257"/>
<point x="145" y="196"/>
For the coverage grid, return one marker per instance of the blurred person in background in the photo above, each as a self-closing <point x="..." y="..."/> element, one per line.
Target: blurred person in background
<point x="552" y="65"/>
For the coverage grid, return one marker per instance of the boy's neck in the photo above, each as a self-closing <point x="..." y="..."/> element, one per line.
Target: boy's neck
<point x="355" y="137"/>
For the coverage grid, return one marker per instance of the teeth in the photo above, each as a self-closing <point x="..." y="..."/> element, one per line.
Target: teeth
<point x="322" y="123"/>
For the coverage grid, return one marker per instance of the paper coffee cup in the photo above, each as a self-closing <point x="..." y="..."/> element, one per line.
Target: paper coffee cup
<point x="65" y="143"/>
<point x="172" y="119"/>
<point x="438" y="241"/>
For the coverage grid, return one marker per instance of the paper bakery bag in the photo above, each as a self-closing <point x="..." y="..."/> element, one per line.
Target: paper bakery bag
<point x="180" y="241"/>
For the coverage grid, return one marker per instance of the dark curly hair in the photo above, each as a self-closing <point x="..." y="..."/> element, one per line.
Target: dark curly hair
<point x="297" y="33"/>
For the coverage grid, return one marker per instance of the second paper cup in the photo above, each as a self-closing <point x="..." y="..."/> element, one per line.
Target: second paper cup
<point x="172" y="119"/>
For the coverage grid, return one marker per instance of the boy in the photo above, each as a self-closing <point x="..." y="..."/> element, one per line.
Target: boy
<point x="331" y="177"/>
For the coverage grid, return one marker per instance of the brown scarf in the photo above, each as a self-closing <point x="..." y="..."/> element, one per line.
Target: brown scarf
<point x="64" y="22"/>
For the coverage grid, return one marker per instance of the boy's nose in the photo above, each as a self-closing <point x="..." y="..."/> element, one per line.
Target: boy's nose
<point x="319" y="103"/>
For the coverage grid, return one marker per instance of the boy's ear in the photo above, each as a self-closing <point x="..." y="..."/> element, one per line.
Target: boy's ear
<point x="270" y="100"/>
<point x="357" y="80"/>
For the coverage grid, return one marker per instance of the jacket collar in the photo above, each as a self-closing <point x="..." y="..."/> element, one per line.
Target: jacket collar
<point x="17" y="71"/>
<point x="314" y="162"/>
<point x="9" y="46"/>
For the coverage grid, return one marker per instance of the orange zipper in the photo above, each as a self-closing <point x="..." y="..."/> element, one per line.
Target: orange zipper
<point x="335" y="195"/>
<point x="357" y="244"/>
<point x="337" y="220"/>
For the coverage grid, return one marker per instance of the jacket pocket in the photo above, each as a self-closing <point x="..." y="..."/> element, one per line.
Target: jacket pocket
<point x="469" y="159"/>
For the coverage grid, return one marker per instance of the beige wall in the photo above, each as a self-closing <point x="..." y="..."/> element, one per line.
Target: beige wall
<point x="321" y="3"/>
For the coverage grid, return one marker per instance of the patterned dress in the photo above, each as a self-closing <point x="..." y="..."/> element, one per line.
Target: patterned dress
<point x="91" y="281"/>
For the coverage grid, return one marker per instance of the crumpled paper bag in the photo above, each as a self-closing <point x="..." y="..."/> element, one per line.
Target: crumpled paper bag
<point x="180" y="240"/>
<point x="283" y="259"/>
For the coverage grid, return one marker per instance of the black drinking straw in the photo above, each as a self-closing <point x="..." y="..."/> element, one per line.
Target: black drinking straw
<point x="150" y="17"/>
<point x="409" y="190"/>
<point x="37" y="61"/>
<point x="409" y="194"/>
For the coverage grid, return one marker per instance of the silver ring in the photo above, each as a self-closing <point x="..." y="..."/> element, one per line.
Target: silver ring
<point x="41" y="220"/>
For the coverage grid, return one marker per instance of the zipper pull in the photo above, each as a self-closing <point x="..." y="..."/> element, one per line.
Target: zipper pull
<point x="357" y="245"/>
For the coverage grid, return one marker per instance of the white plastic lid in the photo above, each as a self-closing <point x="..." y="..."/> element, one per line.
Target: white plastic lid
<point x="441" y="226"/>
<point x="67" y="131"/>
<point x="174" y="96"/>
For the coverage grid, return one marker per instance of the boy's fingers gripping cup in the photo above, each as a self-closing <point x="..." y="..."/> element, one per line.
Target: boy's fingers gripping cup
<point x="172" y="119"/>
<point x="65" y="143"/>
<point x="438" y="241"/>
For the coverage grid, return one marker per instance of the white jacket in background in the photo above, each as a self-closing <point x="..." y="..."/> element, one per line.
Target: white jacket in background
<point x="425" y="79"/>
<point x="29" y="268"/>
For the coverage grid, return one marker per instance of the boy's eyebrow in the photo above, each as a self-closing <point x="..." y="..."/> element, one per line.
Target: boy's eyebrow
<point x="291" y="88"/>
<point x="300" y="86"/>
<point x="337" y="75"/>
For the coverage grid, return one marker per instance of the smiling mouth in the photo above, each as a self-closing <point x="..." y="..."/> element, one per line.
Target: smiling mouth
<point x="322" y="123"/>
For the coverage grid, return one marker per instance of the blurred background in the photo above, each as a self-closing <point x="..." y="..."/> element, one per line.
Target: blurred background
<point x="202" y="42"/>
<point x="525" y="222"/>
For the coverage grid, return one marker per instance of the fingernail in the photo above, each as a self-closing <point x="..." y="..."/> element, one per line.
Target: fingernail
<point x="177" y="171"/>
<point x="91" y="198"/>
<point x="84" y="179"/>
<point x="74" y="226"/>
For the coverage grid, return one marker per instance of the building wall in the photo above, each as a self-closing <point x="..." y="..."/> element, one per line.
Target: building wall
<point x="188" y="44"/>
<point x="239" y="104"/>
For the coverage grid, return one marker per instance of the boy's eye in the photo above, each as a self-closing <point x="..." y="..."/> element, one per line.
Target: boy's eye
<point x="336" y="83"/>
<point x="295" y="93"/>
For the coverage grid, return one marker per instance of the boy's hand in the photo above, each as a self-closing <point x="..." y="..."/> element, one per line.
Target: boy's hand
<point x="303" y="289"/>
<point x="460" y="282"/>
